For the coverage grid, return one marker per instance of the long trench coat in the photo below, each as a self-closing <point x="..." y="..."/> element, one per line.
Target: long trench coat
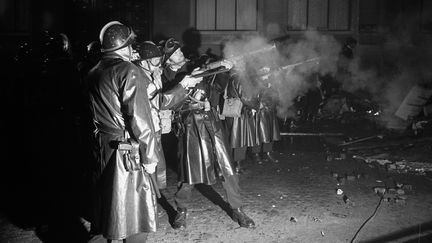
<point x="125" y="203"/>
<point x="242" y="130"/>
<point x="163" y="101"/>
<point x="203" y="145"/>
<point x="266" y="121"/>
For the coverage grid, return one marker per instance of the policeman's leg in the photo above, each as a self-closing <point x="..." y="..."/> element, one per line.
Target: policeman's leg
<point x="232" y="190"/>
<point x="182" y="200"/>
<point x="239" y="155"/>
<point x="267" y="149"/>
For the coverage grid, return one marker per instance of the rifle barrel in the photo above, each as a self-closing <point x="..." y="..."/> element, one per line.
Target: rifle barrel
<point x="241" y="56"/>
<point x="209" y="73"/>
<point x="300" y="63"/>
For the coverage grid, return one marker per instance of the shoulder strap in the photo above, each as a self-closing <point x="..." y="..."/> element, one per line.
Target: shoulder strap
<point x="235" y="89"/>
<point x="226" y="91"/>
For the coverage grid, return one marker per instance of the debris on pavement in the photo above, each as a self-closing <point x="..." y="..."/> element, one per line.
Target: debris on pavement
<point x="380" y="190"/>
<point x="380" y="136"/>
<point x="372" y="159"/>
<point x="316" y="219"/>
<point x="393" y="195"/>
<point x="348" y="201"/>
<point x="398" y="166"/>
<point x="341" y="180"/>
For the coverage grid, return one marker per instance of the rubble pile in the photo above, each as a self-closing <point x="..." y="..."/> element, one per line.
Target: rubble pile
<point x="399" y="155"/>
<point x="407" y="149"/>
<point x="356" y="113"/>
<point x="397" y="194"/>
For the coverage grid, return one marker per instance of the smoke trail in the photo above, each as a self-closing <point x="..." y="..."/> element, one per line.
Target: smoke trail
<point x="291" y="82"/>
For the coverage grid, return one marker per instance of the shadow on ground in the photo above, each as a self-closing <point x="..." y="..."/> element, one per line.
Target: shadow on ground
<point x="419" y="233"/>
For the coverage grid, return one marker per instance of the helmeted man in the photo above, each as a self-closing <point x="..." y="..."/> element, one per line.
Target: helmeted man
<point x="242" y="132"/>
<point x="174" y="63"/>
<point x="267" y="125"/>
<point x="161" y="102"/>
<point x="203" y="145"/>
<point x="126" y="145"/>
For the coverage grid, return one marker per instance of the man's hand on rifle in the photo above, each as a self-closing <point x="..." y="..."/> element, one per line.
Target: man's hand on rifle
<point x="197" y="71"/>
<point x="150" y="168"/>
<point x="190" y="82"/>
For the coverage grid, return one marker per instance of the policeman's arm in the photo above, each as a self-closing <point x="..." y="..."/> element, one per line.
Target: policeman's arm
<point x="173" y="97"/>
<point x="179" y="93"/>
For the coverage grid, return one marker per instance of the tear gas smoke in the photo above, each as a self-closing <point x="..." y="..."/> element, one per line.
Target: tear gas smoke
<point x="401" y="62"/>
<point x="289" y="83"/>
<point x="404" y="61"/>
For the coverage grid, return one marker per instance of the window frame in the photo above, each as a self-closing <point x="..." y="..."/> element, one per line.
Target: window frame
<point x="326" y="29"/>
<point x="21" y="22"/>
<point x="235" y="19"/>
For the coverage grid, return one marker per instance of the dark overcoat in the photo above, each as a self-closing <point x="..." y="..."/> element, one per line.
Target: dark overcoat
<point x="267" y="124"/>
<point x="163" y="100"/>
<point x="125" y="202"/>
<point x="203" y="146"/>
<point x="242" y="130"/>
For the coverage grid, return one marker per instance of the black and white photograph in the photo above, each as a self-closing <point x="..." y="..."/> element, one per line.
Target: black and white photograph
<point x="220" y="121"/>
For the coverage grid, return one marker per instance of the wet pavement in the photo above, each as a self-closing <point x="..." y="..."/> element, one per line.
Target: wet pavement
<point x="295" y="200"/>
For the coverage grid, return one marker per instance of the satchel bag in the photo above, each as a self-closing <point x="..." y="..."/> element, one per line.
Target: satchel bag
<point x="232" y="106"/>
<point x="166" y="117"/>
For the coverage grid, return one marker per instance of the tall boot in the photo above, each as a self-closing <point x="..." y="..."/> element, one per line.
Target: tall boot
<point x="180" y="219"/>
<point x="270" y="157"/>
<point x="256" y="158"/>
<point x="242" y="219"/>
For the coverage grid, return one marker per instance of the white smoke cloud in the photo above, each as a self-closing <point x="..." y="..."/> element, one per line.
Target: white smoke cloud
<point x="289" y="82"/>
<point x="404" y="59"/>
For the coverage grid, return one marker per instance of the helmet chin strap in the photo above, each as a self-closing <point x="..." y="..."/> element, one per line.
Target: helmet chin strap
<point x="147" y="68"/>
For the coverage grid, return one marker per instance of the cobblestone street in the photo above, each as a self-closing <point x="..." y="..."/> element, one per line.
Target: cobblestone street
<point x="295" y="200"/>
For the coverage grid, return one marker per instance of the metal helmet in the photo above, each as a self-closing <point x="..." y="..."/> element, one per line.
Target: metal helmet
<point x="169" y="47"/>
<point x="94" y="47"/>
<point x="147" y="50"/>
<point x="114" y="35"/>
